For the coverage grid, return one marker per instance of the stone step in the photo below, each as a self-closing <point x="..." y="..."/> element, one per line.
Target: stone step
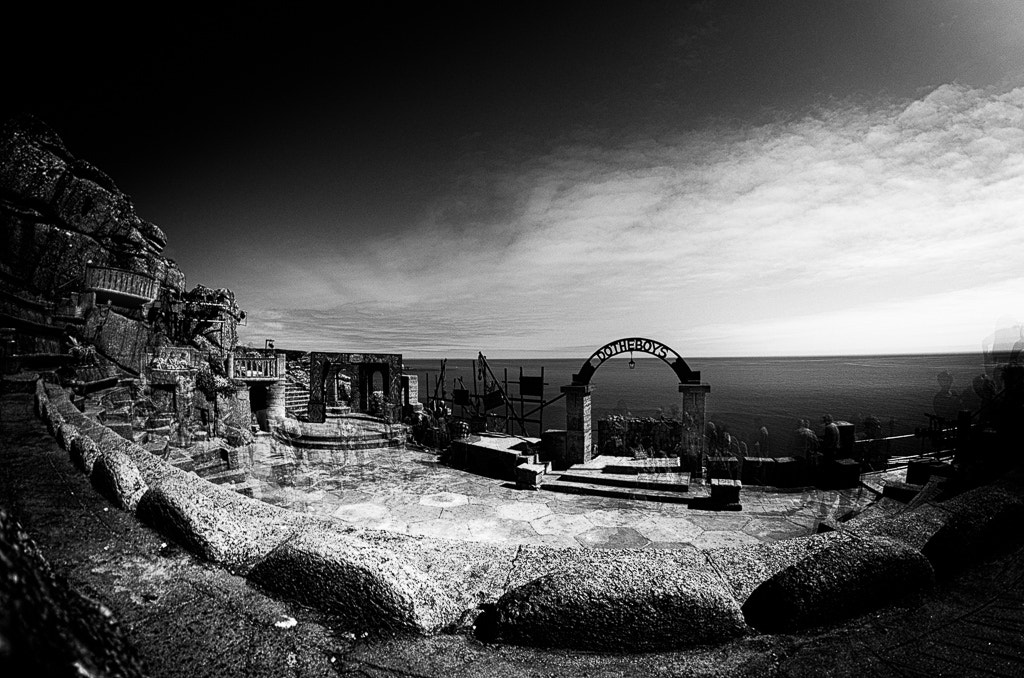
<point x="249" y="488"/>
<point x="179" y="459"/>
<point x="655" y="465"/>
<point x="674" y="482"/>
<point x="628" y="465"/>
<point x="343" y="443"/>
<point x="210" y="468"/>
<point x="594" y="489"/>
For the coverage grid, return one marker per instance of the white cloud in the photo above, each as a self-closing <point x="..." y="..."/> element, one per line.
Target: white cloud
<point x="838" y="216"/>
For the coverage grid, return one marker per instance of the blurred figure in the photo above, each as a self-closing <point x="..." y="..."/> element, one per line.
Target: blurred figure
<point x="711" y="436"/>
<point x="805" y="444"/>
<point x="829" y="439"/>
<point x="874" y="451"/>
<point x="761" y="446"/>
<point x="970" y="398"/>
<point x="999" y="348"/>
<point x="946" y="402"/>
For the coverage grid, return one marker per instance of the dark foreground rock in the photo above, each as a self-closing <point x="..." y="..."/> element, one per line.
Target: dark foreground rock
<point x="849" y="577"/>
<point x="46" y="627"/>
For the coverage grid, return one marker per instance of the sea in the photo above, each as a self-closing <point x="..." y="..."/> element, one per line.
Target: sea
<point x="897" y="389"/>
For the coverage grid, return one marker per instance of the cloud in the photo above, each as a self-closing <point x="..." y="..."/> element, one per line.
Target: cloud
<point x="681" y="235"/>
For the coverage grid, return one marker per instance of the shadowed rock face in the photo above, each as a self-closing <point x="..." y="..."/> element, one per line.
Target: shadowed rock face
<point x="849" y="577"/>
<point x="47" y="628"/>
<point x="62" y="212"/>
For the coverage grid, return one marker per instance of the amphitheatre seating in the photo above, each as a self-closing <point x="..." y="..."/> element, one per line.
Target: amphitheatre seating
<point x="630" y="600"/>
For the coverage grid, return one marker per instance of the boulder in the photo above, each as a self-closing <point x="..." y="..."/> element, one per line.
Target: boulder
<point x="850" y="576"/>
<point x="115" y="477"/>
<point x="627" y="600"/>
<point x="366" y="587"/>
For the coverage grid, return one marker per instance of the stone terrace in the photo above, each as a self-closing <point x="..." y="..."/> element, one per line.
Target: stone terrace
<point x="410" y="491"/>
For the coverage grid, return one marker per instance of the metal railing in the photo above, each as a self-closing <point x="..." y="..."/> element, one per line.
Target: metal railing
<point x="122" y="282"/>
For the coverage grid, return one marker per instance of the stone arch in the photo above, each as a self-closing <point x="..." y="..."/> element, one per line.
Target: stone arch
<point x="578" y="425"/>
<point x="637" y="345"/>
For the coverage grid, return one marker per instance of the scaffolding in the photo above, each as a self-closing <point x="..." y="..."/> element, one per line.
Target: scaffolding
<point x="492" y="403"/>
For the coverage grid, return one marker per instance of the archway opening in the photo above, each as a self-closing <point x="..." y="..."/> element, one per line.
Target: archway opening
<point x="259" y="398"/>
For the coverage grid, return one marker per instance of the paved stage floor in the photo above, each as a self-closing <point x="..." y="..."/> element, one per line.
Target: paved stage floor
<point x="411" y="491"/>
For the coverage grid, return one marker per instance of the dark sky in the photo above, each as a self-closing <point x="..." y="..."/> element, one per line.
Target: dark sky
<point x="255" y="134"/>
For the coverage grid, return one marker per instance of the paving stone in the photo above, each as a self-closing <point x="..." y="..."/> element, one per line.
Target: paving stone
<point x="414" y="513"/>
<point x="361" y="513"/>
<point x="561" y="524"/>
<point x="613" y="538"/>
<point x="469" y="512"/>
<point x="444" y="499"/>
<point x="611" y="518"/>
<point x="667" y="529"/>
<point x="523" y="510"/>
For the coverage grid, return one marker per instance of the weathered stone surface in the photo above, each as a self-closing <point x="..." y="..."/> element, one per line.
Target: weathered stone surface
<point x="468" y="573"/>
<point x="747" y="567"/>
<point x="29" y="170"/>
<point x="122" y="339"/>
<point x="983" y="522"/>
<point x="84" y="453"/>
<point x="115" y="477"/>
<point x="914" y="527"/>
<point x="54" y="420"/>
<point x="848" y="577"/>
<point x="47" y="628"/>
<point x="365" y="586"/>
<point x="617" y="600"/>
<point x="66" y="435"/>
<point x="215" y="524"/>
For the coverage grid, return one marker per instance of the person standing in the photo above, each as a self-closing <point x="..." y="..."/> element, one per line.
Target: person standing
<point x="761" y="447"/>
<point x="829" y="439"/>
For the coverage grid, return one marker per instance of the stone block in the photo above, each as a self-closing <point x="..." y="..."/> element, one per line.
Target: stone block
<point x="902" y="492"/>
<point x="757" y="470"/>
<point x="920" y="470"/>
<point x="847" y="578"/>
<point x="725" y="490"/>
<point x="116" y="477"/>
<point x="844" y="473"/>
<point x="360" y="584"/>
<point x="724" y="467"/>
<point x="787" y="472"/>
<point x="635" y="601"/>
<point x="529" y="476"/>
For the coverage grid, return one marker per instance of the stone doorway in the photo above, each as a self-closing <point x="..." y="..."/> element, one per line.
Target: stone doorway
<point x="578" y="425"/>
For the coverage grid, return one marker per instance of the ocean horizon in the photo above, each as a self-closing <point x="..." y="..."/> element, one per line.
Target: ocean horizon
<point x="898" y="389"/>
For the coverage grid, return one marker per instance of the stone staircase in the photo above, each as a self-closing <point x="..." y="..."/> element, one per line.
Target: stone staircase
<point x="661" y="479"/>
<point x="337" y="411"/>
<point x="342" y="432"/>
<point x="118" y="411"/>
<point x="296" y="398"/>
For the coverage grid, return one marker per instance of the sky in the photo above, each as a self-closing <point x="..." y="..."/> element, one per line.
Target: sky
<point x="734" y="178"/>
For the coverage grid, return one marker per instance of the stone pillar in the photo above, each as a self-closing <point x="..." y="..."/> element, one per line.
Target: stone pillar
<point x="276" y="402"/>
<point x="577" y="424"/>
<point x="694" y="408"/>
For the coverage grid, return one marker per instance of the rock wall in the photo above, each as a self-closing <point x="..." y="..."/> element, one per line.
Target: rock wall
<point x="60" y="216"/>
<point x="60" y="212"/>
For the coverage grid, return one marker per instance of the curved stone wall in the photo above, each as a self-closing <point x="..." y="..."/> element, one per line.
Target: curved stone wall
<point x="624" y="600"/>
